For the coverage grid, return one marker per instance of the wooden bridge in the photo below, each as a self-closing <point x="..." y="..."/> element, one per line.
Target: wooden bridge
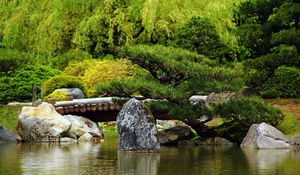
<point x="102" y="109"/>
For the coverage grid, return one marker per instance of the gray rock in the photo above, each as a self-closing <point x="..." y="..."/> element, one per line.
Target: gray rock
<point x="264" y="136"/>
<point x="216" y="141"/>
<point x="81" y="125"/>
<point x="42" y="123"/>
<point x="67" y="139"/>
<point x="136" y="128"/>
<point x="87" y="137"/>
<point x="295" y="140"/>
<point x="173" y="131"/>
<point x="76" y="93"/>
<point x="7" y="136"/>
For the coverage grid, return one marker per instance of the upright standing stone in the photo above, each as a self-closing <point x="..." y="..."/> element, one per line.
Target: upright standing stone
<point x="136" y="127"/>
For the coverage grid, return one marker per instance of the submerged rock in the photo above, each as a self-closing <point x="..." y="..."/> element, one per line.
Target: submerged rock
<point x="136" y="128"/>
<point x="7" y="136"/>
<point x="264" y="136"/>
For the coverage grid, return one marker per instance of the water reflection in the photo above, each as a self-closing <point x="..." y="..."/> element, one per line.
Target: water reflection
<point x="138" y="163"/>
<point x="105" y="159"/>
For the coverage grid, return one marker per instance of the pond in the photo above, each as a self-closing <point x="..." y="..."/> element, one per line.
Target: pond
<point x="44" y="159"/>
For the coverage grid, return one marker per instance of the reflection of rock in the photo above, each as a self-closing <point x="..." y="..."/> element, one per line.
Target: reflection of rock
<point x="217" y="141"/>
<point x="7" y="136"/>
<point x="173" y="131"/>
<point x="138" y="163"/>
<point x="264" y="136"/>
<point x="136" y="128"/>
<point x="43" y="123"/>
<point x="265" y="159"/>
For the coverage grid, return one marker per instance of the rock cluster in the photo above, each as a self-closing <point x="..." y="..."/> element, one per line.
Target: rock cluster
<point x="44" y="124"/>
<point x="136" y="128"/>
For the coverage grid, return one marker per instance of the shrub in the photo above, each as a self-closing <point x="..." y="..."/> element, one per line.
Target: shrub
<point x="57" y="95"/>
<point x="92" y="72"/>
<point x="240" y="114"/>
<point x="12" y="59"/>
<point x="17" y="85"/>
<point x="284" y="83"/>
<point x="201" y="36"/>
<point x="62" y="81"/>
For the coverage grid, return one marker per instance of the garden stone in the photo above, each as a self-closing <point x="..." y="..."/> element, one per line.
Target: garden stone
<point x="7" y="136"/>
<point x="42" y="123"/>
<point x="76" y="93"/>
<point x="295" y="140"/>
<point x="264" y="136"/>
<point x="87" y="137"/>
<point x="136" y="128"/>
<point x="216" y="141"/>
<point x="173" y="131"/>
<point x="81" y="125"/>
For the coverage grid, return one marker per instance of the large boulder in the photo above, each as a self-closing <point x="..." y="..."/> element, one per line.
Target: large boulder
<point x="43" y="123"/>
<point x="172" y="131"/>
<point x="136" y="128"/>
<point x="295" y="140"/>
<point x="264" y="136"/>
<point x="81" y="125"/>
<point x="7" y="136"/>
<point x="76" y="93"/>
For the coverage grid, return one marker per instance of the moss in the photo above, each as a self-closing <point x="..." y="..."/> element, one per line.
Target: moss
<point x="57" y="95"/>
<point x="8" y="117"/>
<point x="290" y="125"/>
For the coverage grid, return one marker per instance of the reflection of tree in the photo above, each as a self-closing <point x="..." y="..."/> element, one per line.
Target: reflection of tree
<point x="138" y="163"/>
<point x="9" y="159"/>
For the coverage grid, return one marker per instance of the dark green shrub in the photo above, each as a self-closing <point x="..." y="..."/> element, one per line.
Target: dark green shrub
<point x="17" y="85"/>
<point x="240" y="114"/>
<point x="200" y="35"/>
<point x="62" y="81"/>
<point x="284" y="83"/>
<point x="12" y="59"/>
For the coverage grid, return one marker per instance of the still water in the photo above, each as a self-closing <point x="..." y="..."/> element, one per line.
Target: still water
<point x="72" y="159"/>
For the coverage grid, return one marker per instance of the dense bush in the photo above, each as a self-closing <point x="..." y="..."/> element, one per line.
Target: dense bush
<point x="95" y="71"/>
<point x="62" y="81"/>
<point x="284" y="83"/>
<point x="13" y="59"/>
<point x="200" y="35"/>
<point x="240" y="114"/>
<point x="17" y="85"/>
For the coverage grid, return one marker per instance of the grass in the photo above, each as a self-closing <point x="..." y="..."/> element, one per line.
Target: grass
<point x="8" y="117"/>
<point x="291" y="109"/>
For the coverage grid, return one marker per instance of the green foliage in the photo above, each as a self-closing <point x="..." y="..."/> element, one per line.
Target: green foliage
<point x="57" y="95"/>
<point x="13" y="59"/>
<point x="290" y="125"/>
<point x="240" y="114"/>
<point x="284" y="83"/>
<point x="9" y="117"/>
<point x="17" y="85"/>
<point x="94" y="71"/>
<point x="62" y="81"/>
<point x="201" y="36"/>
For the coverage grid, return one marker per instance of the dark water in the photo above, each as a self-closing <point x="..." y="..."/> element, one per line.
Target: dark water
<point x="31" y="159"/>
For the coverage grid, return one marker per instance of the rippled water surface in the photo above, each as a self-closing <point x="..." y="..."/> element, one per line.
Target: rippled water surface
<point x="104" y="158"/>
